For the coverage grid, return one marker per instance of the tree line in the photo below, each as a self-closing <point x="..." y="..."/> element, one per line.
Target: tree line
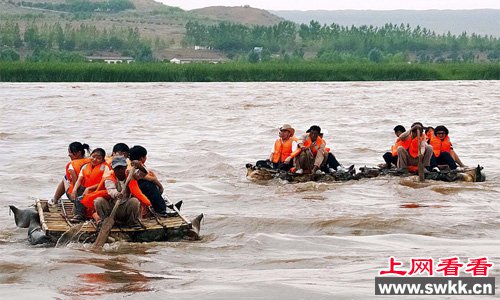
<point x="343" y="43"/>
<point x="76" y="6"/>
<point x="47" y="42"/>
<point x="235" y="38"/>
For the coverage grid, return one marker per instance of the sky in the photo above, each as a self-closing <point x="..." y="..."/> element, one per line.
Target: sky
<point x="339" y="4"/>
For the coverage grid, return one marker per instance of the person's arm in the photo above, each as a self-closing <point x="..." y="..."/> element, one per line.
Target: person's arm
<point x="90" y="189"/>
<point x="73" y="176"/>
<point x="136" y="191"/>
<point x="152" y="177"/>
<point x="322" y="146"/>
<point x="302" y="140"/>
<point x="404" y="136"/>
<point x="111" y="188"/>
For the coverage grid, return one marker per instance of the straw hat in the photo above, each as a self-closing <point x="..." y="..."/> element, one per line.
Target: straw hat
<point x="289" y="128"/>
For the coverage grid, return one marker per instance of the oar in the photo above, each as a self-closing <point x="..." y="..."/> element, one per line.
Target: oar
<point x="195" y="225"/>
<point x="109" y="222"/>
<point x="177" y="211"/>
<point x="421" y="177"/>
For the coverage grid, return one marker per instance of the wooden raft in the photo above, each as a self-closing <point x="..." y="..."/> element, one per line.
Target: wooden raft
<point x="54" y="222"/>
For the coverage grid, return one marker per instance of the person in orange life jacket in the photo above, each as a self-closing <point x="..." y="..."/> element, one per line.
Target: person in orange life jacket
<point x="442" y="147"/>
<point x="283" y="152"/>
<point x="129" y="210"/>
<point x="312" y="152"/>
<point x="90" y="176"/>
<point x="429" y="133"/>
<point x="76" y="152"/>
<point x="408" y="150"/>
<point x="391" y="158"/>
<point x="119" y="149"/>
<point x="150" y="185"/>
<point x="454" y="155"/>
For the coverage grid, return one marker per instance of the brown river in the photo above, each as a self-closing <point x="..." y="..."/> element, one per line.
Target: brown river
<point x="271" y="240"/>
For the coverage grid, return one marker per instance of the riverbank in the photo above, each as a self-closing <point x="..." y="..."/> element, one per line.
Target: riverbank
<point x="243" y="72"/>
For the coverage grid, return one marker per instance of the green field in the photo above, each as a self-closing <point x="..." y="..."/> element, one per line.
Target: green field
<point x="241" y="72"/>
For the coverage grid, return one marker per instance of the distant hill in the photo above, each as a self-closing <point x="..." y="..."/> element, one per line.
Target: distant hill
<point x="481" y="21"/>
<point x="239" y="14"/>
<point x="163" y="25"/>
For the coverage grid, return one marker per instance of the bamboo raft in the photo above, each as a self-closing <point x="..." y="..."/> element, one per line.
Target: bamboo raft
<point x="54" y="221"/>
<point x="264" y="174"/>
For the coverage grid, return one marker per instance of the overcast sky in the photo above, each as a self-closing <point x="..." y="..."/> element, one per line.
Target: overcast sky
<point x="339" y="4"/>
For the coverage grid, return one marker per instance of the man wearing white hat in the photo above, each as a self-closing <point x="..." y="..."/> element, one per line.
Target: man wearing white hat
<point x="285" y="149"/>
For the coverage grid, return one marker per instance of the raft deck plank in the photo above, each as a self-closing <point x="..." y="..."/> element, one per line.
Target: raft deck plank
<point x="56" y="223"/>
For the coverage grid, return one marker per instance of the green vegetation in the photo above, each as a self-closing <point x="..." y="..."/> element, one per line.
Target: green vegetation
<point x="49" y="42"/>
<point x="272" y="71"/>
<point x="78" y="6"/>
<point x="334" y="43"/>
<point x="230" y="37"/>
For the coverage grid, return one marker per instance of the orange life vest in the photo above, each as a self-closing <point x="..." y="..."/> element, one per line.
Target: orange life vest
<point x="439" y="145"/>
<point x="283" y="149"/>
<point x="404" y="144"/>
<point x="314" y="146"/>
<point x="68" y="175"/>
<point x="429" y="135"/>
<point x="93" y="175"/>
<point x="133" y="185"/>
<point x="88" y="201"/>
<point x="77" y="166"/>
<point x="413" y="148"/>
<point x="134" y="189"/>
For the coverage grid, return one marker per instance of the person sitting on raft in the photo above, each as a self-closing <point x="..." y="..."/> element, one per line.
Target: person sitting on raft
<point x="90" y="176"/>
<point x="312" y="152"/>
<point x="408" y="150"/>
<point x="429" y="133"/>
<point x="391" y="158"/>
<point x="150" y="185"/>
<point x="119" y="149"/>
<point x="129" y="211"/>
<point x="283" y="153"/>
<point x="442" y="146"/>
<point x="332" y="164"/>
<point x="76" y="152"/>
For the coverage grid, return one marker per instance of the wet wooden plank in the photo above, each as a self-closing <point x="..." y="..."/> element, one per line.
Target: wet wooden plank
<point x="54" y="221"/>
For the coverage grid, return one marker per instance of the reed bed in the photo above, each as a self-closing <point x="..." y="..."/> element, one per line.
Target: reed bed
<point x="241" y="72"/>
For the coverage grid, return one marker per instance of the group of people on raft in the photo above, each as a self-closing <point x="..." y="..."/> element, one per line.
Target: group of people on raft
<point x="96" y="182"/>
<point x="309" y="154"/>
<point x="435" y="147"/>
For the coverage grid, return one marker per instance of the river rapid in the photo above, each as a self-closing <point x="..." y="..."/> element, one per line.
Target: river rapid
<point x="270" y="240"/>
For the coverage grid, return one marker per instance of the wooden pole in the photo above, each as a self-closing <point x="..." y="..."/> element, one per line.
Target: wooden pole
<point x="109" y="222"/>
<point x="421" y="177"/>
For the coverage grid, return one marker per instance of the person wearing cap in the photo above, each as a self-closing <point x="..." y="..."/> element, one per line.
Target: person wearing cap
<point x="129" y="211"/>
<point x="408" y="150"/>
<point x="312" y="152"/>
<point x="392" y="157"/>
<point x="442" y="147"/>
<point x="283" y="152"/>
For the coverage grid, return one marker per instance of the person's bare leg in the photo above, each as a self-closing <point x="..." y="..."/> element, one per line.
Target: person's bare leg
<point x="59" y="192"/>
